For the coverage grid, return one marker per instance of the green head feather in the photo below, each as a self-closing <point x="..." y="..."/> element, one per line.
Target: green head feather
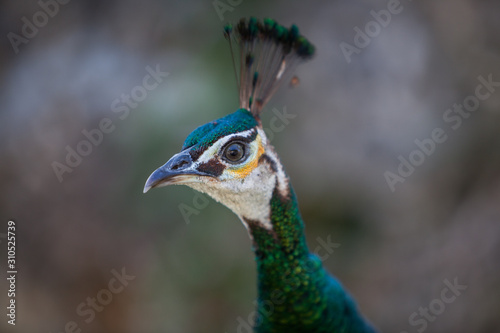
<point x="204" y="136"/>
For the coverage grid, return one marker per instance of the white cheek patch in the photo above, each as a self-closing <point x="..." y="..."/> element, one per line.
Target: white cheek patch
<point x="248" y="198"/>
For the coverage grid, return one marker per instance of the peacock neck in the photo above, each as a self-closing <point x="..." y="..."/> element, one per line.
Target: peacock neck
<point x="295" y="293"/>
<point x="287" y="233"/>
<point x="280" y="252"/>
<point x="291" y="281"/>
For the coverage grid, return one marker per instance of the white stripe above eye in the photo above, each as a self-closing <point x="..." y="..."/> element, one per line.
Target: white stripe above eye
<point x="217" y="145"/>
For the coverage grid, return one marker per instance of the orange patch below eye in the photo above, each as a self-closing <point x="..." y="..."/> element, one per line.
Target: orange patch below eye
<point x="246" y="169"/>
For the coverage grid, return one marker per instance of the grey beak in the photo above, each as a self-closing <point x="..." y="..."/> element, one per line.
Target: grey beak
<point x="179" y="164"/>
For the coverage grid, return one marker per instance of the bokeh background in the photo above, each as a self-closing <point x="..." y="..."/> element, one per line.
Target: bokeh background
<point x="352" y="122"/>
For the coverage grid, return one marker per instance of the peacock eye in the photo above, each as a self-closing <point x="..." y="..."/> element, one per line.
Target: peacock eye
<point x="235" y="152"/>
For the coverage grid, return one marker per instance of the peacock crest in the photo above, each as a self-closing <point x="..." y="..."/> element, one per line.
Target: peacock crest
<point x="268" y="56"/>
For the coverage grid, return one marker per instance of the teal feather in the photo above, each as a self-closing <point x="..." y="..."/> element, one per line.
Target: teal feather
<point x="207" y="134"/>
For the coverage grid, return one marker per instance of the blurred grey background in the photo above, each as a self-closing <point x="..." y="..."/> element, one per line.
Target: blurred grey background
<point x="353" y="120"/>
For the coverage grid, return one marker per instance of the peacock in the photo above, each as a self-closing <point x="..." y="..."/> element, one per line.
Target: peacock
<point x="232" y="160"/>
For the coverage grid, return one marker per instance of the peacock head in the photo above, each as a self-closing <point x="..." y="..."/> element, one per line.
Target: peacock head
<point x="231" y="158"/>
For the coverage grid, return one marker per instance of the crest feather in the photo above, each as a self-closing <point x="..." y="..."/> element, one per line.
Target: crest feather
<point x="268" y="56"/>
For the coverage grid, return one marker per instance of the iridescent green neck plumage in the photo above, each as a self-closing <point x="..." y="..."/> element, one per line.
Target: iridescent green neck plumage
<point x="295" y="293"/>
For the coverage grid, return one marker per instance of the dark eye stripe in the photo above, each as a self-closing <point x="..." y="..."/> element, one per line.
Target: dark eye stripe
<point x="212" y="167"/>
<point x="266" y="159"/>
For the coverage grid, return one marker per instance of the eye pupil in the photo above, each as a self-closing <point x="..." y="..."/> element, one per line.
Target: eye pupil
<point x="234" y="152"/>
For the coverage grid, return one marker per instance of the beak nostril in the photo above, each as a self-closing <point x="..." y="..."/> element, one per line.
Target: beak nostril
<point x="179" y="162"/>
<point x="179" y="165"/>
